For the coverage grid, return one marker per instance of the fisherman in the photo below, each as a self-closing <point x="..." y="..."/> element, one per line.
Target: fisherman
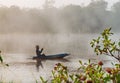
<point x="39" y="52"/>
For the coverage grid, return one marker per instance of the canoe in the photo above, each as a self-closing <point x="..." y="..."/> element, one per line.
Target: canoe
<point x="56" y="56"/>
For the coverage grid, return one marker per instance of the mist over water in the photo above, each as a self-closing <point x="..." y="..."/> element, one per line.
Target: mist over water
<point x="58" y="30"/>
<point x="60" y="43"/>
<point x="53" y="28"/>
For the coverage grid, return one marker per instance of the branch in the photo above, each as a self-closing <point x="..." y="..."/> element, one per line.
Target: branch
<point x="110" y="54"/>
<point x="118" y="53"/>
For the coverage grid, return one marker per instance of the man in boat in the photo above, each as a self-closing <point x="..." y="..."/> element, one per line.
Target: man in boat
<point x="39" y="52"/>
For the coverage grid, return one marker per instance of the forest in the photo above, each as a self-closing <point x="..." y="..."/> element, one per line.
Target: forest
<point x="92" y="18"/>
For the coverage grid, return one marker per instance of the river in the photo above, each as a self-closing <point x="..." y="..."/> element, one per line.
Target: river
<point x="18" y="49"/>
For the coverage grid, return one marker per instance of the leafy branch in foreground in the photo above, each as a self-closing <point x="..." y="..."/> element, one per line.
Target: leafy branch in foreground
<point x="88" y="73"/>
<point x="105" y="45"/>
<point x="1" y="60"/>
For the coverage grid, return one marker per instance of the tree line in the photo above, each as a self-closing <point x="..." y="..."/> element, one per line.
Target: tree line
<point x="69" y="19"/>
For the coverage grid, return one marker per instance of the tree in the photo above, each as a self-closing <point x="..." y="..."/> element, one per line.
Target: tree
<point x="105" y="45"/>
<point x="48" y="4"/>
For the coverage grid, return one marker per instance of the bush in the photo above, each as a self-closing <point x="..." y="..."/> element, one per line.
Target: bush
<point x="90" y="73"/>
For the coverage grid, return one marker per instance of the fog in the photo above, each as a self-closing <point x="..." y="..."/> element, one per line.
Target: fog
<point x="21" y="29"/>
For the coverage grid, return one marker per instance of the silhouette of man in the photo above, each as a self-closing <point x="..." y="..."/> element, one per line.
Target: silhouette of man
<point x="38" y="52"/>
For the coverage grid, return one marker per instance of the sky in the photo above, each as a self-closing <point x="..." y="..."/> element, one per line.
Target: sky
<point x="39" y="3"/>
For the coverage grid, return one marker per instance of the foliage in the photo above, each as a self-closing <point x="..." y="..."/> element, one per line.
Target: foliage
<point x="105" y="45"/>
<point x="88" y="73"/>
<point x="1" y="60"/>
<point x="43" y="81"/>
<point x="60" y="74"/>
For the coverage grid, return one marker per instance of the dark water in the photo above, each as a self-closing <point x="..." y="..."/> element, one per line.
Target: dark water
<point x="18" y="49"/>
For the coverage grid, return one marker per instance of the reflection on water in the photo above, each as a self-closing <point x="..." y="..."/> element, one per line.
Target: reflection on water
<point x="39" y="63"/>
<point x="23" y="69"/>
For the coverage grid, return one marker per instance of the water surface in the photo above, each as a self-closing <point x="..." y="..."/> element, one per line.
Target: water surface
<point x="17" y="49"/>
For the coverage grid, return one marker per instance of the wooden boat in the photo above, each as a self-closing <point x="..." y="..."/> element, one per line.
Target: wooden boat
<point x="56" y="56"/>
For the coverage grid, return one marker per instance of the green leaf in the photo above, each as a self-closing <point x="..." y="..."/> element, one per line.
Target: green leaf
<point x="106" y="37"/>
<point x="53" y="73"/>
<point x="92" y="44"/>
<point x="80" y="62"/>
<point x="89" y="61"/>
<point x="94" y="40"/>
<point x="119" y="44"/>
<point x="110" y="29"/>
<point x="76" y="80"/>
<point x="112" y="63"/>
<point x="107" y="79"/>
<point x="1" y="59"/>
<point x="117" y="65"/>
<point x="43" y="81"/>
<point x="118" y="78"/>
<point x="98" y="40"/>
<point x="72" y="77"/>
